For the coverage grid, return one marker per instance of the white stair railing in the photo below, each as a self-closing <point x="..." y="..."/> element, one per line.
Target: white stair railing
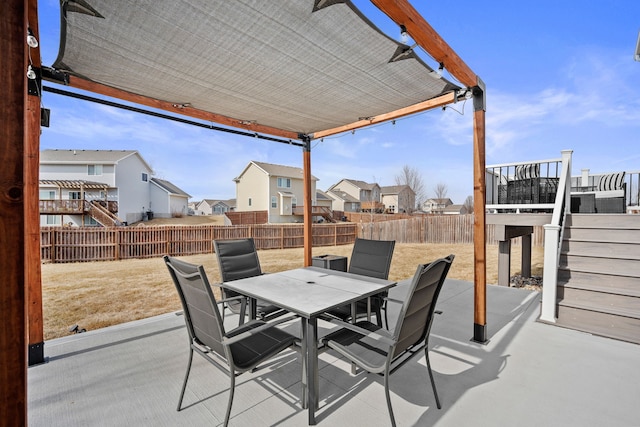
<point x="553" y="235"/>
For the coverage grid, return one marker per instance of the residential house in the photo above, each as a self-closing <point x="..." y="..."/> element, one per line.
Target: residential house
<point x="342" y="201"/>
<point x="398" y="199"/>
<point x="277" y="189"/>
<point x="212" y="207"/>
<point x="108" y="187"/>
<point x="436" y="206"/>
<point x="367" y="194"/>
<point x="455" y="210"/>
<point x="167" y="199"/>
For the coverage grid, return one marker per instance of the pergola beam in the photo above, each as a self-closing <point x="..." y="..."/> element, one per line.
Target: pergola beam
<point x="402" y="13"/>
<point x="439" y="101"/>
<point x="184" y="110"/>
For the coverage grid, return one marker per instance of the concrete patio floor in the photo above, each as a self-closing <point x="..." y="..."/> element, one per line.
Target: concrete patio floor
<point x="529" y="374"/>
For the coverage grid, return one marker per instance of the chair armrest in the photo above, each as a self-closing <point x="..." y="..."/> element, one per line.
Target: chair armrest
<point x="393" y="300"/>
<point x="246" y="334"/>
<point x="365" y="332"/>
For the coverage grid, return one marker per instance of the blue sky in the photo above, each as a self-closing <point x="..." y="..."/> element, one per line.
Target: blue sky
<point x="559" y="75"/>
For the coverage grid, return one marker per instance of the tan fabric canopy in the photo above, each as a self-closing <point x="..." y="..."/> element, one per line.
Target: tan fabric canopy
<point x="297" y="65"/>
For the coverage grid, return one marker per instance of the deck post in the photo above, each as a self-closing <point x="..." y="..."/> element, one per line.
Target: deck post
<point x="550" y="273"/>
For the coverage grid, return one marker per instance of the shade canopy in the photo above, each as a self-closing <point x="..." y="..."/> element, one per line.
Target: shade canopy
<point x="305" y="67"/>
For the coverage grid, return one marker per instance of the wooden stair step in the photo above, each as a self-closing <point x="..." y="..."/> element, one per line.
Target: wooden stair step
<point x="599" y="323"/>
<point x="621" y="285"/>
<point x="605" y="302"/>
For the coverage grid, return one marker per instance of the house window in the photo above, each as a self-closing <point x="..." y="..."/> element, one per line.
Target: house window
<point x="47" y="195"/>
<point x="74" y="195"/>
<point x="294" y="202"/>
<point x="274" y="202"/>
<point x="90" y="221"/>
<point x="145" y="177"/>
<point x="94" y="169"/>
<point x="249" y="201"/>
<point x="284" y="182"/>
<point x="53" y="219"/>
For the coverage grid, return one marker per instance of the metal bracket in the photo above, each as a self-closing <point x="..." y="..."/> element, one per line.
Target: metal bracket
<point x="34" y="87"/>
<point x="479" y="96"/>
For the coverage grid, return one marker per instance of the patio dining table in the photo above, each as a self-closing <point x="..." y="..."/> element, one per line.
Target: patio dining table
<point x="309" y="292"/>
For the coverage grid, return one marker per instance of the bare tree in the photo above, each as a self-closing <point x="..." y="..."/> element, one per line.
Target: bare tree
<point x="413" y="178"/>
<point x="441" y="190"/>
<point x="468" y="203"/>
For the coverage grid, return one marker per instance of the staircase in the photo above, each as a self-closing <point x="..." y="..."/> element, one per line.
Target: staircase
<point x="103" y="215"/>
<point x="599" y="276"/>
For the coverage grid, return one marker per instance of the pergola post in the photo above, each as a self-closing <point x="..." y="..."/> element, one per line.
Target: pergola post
<point x="33" y="272"/>
<point x="308" y="226"/>
<point x="479" y="220"/>
<point x="13" y="114"/>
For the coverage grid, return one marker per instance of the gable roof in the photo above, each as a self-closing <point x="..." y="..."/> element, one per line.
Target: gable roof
<point x="169" y="187"/>
<point x="321" y="195"/>
<point x="69" y="156"/>
<point x="338" y="194"/>
<point x="275" y="170"/>
<point x="394" y="189"/>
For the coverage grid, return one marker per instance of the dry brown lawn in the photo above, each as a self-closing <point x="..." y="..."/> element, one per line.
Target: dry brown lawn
<point x="98" y="294"/>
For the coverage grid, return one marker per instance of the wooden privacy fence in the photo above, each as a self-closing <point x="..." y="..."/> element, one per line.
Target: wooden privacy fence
<point x="448" y="229"/>
<point x="67" y="244"/>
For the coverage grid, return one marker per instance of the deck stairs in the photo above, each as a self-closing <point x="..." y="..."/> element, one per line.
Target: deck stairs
<point x="102" y="215"/>
<point x="599" y="275"/>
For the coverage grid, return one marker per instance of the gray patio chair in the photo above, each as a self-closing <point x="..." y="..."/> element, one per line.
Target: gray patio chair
<point x="235" y="351"/>
<point x="238" y="259"/>
<point x="369" y="258"/>
<point x="381" y="351"/>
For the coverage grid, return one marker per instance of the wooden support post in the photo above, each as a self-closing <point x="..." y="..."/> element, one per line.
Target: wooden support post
<point x="308" y="227"/>
<point x="479" y="220"/>
<point x="13" y="112"/>
<point x="33" y="273"/>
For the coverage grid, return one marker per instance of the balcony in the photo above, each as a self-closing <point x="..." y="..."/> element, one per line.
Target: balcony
<point x="71" y="207"/>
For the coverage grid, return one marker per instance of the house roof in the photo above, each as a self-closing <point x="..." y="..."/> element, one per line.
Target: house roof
<point x="321" y="195"/>
<point x="169" y="187"/>
<point x="107" y="157"/>
<point x="445" y="201"/>
<point x="276" y="170"/>
<point x="394" y="189"/>
<point x="454" y="208"/>
<point x="357" y="183"/>
<point x="342" y="195"/>
<point x="254" y="64"/>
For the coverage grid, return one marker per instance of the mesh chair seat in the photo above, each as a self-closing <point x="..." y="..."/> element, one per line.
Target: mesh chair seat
<point x="257" y="347"/>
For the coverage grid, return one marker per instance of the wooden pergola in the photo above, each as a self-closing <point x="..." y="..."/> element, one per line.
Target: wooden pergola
<point x="21" y="328"/>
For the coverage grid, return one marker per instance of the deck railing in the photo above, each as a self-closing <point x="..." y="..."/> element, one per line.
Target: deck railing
<point x="530" y="186"/>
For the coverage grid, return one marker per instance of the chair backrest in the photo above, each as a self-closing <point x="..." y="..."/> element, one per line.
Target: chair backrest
<point x="201" y="313"/>
<point x="372" y="257"/>
<point x="238" y="259"/>
<point x="416" y="314"/>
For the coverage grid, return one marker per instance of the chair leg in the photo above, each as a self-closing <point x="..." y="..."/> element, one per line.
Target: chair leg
<point x="232" y="389"/>
<point x="433" y="383"/>
<point x="186" y="378"/>
<point x="378" y="317"/>
<point x="388" y="396"/>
